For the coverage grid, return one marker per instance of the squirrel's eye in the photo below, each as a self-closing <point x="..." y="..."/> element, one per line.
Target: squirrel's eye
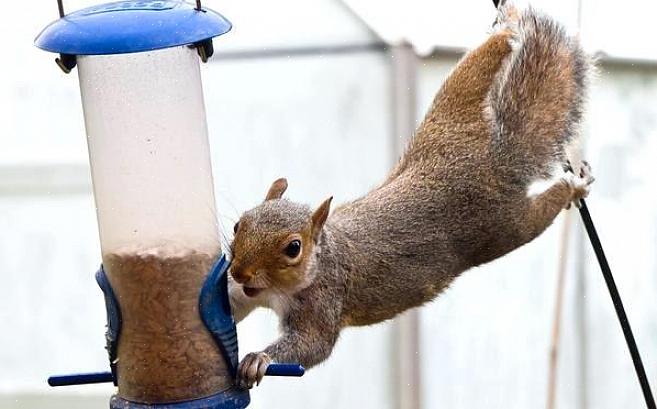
<point x="293" y="249"/>
<point x="237" y="226"/>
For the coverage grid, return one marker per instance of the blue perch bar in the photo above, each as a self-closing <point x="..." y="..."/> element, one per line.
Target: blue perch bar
<point x="103" y="377"/>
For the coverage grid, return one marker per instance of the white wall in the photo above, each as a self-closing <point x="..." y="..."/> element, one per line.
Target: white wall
<point x="622" y="30"/>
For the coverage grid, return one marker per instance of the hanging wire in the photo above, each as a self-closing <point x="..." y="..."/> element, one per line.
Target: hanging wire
<point x="618" y="306"/>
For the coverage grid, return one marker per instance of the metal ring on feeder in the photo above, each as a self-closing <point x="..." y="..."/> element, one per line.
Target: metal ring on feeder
<point x="66" y="62"/>
<point x="205" y="49"/>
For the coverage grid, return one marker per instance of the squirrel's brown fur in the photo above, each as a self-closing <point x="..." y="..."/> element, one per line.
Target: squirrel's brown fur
<point x="464" y="193"/>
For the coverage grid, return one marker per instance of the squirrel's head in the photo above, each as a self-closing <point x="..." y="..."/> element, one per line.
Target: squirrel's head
<point x="274" y="243"/>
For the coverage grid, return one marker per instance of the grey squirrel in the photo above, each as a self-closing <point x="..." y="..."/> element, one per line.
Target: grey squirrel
<point x="483" y="175"/>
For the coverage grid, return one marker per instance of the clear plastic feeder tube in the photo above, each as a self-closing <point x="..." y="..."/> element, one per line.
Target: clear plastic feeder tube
<point x="148" y="148"/>
<point x="152" y="178"/>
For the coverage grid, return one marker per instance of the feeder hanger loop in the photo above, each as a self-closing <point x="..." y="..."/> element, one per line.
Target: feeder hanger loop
<point x="204" y="48"/>
<point x="60" y="6"/>
<point x="65" y="61"/>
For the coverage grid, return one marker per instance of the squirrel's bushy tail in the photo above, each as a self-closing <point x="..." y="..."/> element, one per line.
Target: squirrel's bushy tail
<point x="537" y="99"/>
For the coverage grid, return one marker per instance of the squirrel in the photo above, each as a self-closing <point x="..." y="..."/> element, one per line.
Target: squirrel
<point x="485" y="173"/>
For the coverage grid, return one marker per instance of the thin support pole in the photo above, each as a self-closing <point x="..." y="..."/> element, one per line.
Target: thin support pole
<point x="580" y="326"/>
<point x="198" y="5"/>
<point x="60" y="7"/>
<point x="618" y="306"/>
<point x="558" y="308"/>
<point x="407" y="355"/>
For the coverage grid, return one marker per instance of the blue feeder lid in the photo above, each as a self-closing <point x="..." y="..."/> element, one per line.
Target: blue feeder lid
<point x="130" y="27"/>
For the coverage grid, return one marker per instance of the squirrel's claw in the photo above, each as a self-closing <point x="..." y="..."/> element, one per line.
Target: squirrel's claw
<point x="252" y="369"/>
<point x="580" y="184"/>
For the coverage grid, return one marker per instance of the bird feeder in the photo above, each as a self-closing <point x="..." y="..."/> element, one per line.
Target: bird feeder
<point x="171" y="337"/>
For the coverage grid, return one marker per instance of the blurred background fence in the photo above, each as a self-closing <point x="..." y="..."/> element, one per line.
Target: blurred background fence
<point x="325" y="92"/>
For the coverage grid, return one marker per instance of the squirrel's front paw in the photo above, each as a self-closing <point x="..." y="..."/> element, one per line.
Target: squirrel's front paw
<point x="579" y="184"/>
<point x="252" y="369"/>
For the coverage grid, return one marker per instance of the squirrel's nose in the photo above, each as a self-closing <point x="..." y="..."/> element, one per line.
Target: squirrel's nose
<point x="241" y="276"/>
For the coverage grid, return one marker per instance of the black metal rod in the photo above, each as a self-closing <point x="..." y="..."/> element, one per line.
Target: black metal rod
<point x="198" y="5"/>
<point x="60" y="6"/>
<point x="618" y="305"/>
<point x="80" y="379"/>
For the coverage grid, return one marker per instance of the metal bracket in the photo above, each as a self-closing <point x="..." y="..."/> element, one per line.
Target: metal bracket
<point x="205" y="49"/>
<point x="214" y="306"/>
<point x="111" y="337"/>
<point x="216" y="314"/>
<point x="113" y="321"/>
<point x="66" y="62"/>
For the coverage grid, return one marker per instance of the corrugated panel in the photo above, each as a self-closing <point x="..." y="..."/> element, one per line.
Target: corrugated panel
<point x="626" y="31"/>
<point x="428" y="25"/>
<point x="51" y="309"/>
<point x="263" y="25"/>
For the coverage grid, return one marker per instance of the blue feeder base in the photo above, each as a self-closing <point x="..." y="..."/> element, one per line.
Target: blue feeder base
<point x="230" y="399"/>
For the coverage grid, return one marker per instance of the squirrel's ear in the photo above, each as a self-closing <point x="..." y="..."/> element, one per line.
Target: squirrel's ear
<point x="277" y="189"/>
<point x="320" y="215"/>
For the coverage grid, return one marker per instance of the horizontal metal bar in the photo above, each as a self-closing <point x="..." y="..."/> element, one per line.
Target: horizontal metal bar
<point x="285" y="370"/>
<point x="105" y="377"/>
<point x="599" y="56"/>
<point x="28" y="180"/>
<point x="286" y="52"/>
<point x="80" y="379"/>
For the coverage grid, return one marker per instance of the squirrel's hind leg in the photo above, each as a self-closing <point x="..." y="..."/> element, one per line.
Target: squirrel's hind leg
<point x="464" y="93"/>
<point x="508" y="18"/>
